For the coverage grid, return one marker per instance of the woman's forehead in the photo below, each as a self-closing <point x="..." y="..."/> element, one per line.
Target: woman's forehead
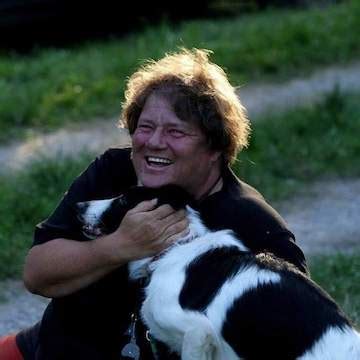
<point x="177" y="104"/>
<point x="158" y="107"/>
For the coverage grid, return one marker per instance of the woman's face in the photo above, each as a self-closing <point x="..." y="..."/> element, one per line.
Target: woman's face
<point x="168" y="150"/>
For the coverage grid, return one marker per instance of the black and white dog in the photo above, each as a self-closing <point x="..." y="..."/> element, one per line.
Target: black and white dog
<point x="209" y="297"/>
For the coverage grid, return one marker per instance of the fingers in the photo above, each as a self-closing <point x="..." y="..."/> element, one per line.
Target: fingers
<point x="159" y="226"/>
<point x="173" y="218"/>
<point x="173" y="238"/>
<point x="175" y="231"/>
<point x="162" y="212"/>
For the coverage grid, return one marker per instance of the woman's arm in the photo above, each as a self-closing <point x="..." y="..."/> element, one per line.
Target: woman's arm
<point x="62" y="266"/>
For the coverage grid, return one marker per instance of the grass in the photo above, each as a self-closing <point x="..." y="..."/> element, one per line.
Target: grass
<point x="51" y="88"/>
<point x="340" y="276"/>
<point x="292" y="149"/>
<point x="26" y="199"/>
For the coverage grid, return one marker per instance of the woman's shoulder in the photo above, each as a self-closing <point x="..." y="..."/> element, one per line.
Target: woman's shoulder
<point x="237" y="191"/>
<point x="106" y="176"/>
<point x="115" y="155"/>
<point x="240" y="205"/>
<point x="116" y="161"/>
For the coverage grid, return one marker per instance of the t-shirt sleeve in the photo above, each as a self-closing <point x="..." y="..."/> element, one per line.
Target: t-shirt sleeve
<point x="94" y="183"/>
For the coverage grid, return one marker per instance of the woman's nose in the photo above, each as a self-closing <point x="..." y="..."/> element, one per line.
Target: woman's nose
<point x="157" y="139"/>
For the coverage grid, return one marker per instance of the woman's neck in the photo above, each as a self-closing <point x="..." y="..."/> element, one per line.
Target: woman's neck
<point x="215" y="186"/>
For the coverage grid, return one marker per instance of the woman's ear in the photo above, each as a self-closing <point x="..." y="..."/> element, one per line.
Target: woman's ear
<point x="216" y="156"/>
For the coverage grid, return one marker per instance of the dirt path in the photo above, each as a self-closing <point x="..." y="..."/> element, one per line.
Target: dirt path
<point x="324" y="216"/>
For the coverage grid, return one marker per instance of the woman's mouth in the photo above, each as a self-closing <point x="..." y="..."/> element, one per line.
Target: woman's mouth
<point x="157" y="161"/>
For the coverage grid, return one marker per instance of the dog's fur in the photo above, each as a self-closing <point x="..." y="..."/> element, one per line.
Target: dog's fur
<point x="209" y="297"/>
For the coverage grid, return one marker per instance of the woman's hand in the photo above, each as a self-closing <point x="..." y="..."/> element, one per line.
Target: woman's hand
<point x="146" y="231"/>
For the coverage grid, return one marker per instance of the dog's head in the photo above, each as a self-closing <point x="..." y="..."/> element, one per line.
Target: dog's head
<point x="101" y="217"/>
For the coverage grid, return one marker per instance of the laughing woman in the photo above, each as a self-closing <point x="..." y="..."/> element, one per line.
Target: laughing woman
<point x="187" y="126"/>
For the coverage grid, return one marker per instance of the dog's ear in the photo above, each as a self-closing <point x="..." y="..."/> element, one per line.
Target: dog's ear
<point x="135" y="195"/>
<point x="175" y="196"/>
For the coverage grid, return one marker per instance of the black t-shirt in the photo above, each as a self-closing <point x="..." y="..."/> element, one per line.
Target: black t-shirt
<point x="90" y="324"/>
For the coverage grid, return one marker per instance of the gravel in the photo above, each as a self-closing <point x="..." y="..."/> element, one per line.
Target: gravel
<point x="18" y="309"/>
<point x="325" y="216"/>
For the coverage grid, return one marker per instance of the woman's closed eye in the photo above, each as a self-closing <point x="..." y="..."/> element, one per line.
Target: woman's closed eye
<point x="176" y="133"/>
<point x="145" y="128"/>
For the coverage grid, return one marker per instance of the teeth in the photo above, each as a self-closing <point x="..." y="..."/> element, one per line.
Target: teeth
<point x="158" y="160"/>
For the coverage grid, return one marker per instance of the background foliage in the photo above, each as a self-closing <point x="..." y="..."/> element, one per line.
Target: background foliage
<point x="50" y="88"/>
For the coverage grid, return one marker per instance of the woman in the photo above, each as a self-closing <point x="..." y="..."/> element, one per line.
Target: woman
<point x="187" y="125"/>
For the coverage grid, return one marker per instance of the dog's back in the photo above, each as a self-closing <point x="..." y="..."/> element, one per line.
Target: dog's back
<point x="286" y="317"/>
<point x="263" y="307"/>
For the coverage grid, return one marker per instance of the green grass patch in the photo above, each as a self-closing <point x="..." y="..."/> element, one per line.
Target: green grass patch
<point x="340" y="276"/>
<point x="51" y="88"/>
<point x="26" y="199"/>
<point x="292" y="149"/>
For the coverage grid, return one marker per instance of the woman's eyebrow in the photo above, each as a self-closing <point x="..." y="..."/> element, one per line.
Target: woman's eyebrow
<point x="143" y="119"/>
<point x="183" y="127"/>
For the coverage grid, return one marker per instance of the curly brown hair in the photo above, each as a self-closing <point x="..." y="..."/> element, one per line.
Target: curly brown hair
<point x="199" y="91"/>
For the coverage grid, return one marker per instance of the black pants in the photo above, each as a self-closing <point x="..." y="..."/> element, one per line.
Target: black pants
<point x="28" y="341"/>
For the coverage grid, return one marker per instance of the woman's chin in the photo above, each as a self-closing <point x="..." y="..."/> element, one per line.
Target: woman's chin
<point x="154" y="183"/>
